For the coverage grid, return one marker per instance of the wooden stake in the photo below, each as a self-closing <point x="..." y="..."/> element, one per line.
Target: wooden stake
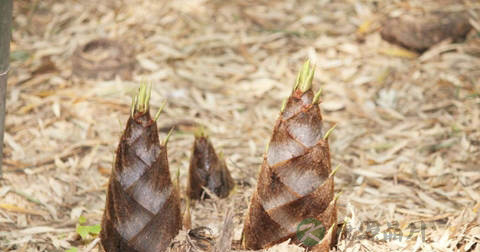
<point x="5" y="35"/>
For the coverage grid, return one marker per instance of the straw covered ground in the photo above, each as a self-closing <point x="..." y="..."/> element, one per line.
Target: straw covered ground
<point x="408" y="125"/>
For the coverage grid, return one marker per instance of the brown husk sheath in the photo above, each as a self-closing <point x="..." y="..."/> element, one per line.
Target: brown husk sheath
<point x="142" y="211"/>
<point x="207" y="170"/>
<point x="296" y="179"/>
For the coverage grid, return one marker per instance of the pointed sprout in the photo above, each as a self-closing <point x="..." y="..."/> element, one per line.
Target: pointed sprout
<point x="148" y="94"/>
<point x="343" y="228"/>
<point x="331" y="228"/>
<point x="334" y="171"/>
<point x="134" y="104"/>
<point x="329" y="132"/>
<point x="200" y="132"/>
<point x="316" y="98"/>
<point x="267" y="146"/>
<point x="141" y="98"/>
<point x="304" y="71"/>
<point x="301" y="74"/>
<point x="337" y="196"/>
<point x="120" y="123"/>
<point x="178" y="178"/>
<point x="284" y="104"/>
<point x="305" y="77"/>
<point x="308" y="81"/>
<point x="297" y="81"/>
<point x="157" y="115"/>
<point x="165" y="142"/>
<point x="234" y="190"/>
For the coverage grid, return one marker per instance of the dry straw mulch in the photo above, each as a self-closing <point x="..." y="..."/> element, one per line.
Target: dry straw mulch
<point x="408" y="134"/>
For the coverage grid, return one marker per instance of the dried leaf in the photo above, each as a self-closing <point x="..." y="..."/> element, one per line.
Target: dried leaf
<point x="17" y="209"/>
<point x="399" y="52"/>
<point x="195" y="240"/>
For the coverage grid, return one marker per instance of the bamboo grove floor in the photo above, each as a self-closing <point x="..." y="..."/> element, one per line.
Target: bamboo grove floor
<point x="408" y="125"/>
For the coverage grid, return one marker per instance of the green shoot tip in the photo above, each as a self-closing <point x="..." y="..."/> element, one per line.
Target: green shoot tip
<point x="200" y="132"/>
<point x="331" y="228"/>
<point x="148" y="94"/>
<point x="316" y="98"/>
<point x="284" y="105"/>
<point x="305" y="77"/>
<point x="142" y="99"/>
<point x="329" y="132"/>
<point x="165" y="142"/>
<point x="134" y="102"/>
<point x="334" y="171"/>
<point x="157" y="115"/>
<point x="337" y="196"/>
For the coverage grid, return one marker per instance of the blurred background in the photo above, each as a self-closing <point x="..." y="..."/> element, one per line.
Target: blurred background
<point x="399" y="78"/>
